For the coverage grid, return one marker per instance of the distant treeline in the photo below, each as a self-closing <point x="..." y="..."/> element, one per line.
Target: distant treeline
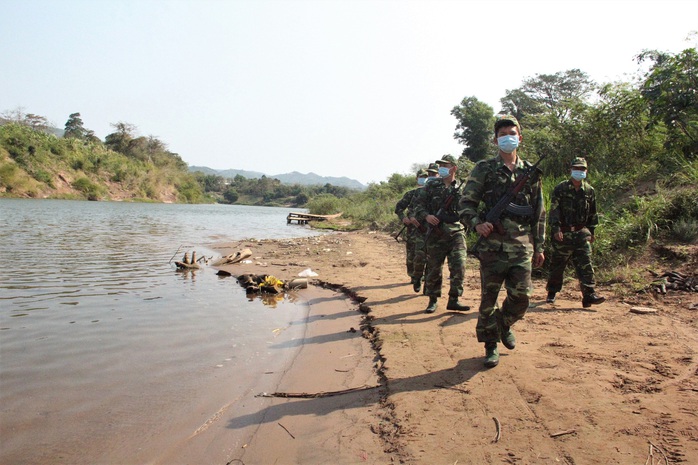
<point x="264" y="190"/>
<point x="39" y="161"/>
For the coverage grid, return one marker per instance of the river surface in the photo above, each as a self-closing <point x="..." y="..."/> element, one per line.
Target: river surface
<point x="104" y="345"/>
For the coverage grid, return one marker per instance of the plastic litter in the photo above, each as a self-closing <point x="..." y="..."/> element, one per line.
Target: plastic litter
<point x="307" y="273"/>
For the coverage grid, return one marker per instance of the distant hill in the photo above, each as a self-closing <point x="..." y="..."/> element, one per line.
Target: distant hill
<point x="310" y="179"/>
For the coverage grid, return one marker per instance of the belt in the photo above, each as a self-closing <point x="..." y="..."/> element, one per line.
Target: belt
<point x="576" y="227"/>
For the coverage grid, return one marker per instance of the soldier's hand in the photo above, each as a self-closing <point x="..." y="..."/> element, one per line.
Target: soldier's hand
<point x="415" y="222"/>
<point x="432" y="220"/>
<point x="406" y="220"/>
<point x="591" y="239"/>
<point x="558" y="236"/>
<point x="538" y="259"/>
<point x="484" y="229"/>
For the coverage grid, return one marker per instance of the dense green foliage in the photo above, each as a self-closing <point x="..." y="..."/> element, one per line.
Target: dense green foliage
<point x="640" y="139"/>
<point x="35" y="163"/>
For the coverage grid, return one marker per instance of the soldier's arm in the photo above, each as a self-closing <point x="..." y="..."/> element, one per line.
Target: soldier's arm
<point x="593" y="218"/>
<point x="402" y="204"/>
<point x="471" y="195"/>
<point x="554" y="216"/>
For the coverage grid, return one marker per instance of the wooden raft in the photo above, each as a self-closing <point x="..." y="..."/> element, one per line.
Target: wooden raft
<point x="304" y="218"/>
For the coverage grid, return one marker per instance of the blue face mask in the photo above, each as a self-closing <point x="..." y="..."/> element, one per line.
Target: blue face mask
<point x="421" y="181"/>
<point x="578" y="175"/>
<point x="443" y="171"/>
<point x="508" y="144"/>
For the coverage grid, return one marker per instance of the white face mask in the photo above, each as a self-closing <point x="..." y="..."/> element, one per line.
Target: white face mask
<point x="444" y="172"/>
<point x="578" y="175"/>
<point x="508" y="144"/>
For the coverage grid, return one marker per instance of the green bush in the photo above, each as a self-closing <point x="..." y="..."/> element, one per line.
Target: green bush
<point x="325" y="204"/>
<point x="685" y="230"/>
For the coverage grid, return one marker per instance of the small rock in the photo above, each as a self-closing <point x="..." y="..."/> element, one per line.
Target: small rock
<point x="643" y="310"/>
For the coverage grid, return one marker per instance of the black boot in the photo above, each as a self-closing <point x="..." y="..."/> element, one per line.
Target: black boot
<point x="592" y="299"/>
<point x="454" y="305"/>
<point x="551" y="297"/>
<point x="432" y="305"/>
<point x="417" y="284"/>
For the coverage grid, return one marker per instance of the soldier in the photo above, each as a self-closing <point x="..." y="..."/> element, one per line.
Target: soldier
<point x="420" y="250"/>
<point x="409" y="222"/>
<point x="507" y="251"/>
<point x="573" y="219"/>
<point x="437" y="205"/>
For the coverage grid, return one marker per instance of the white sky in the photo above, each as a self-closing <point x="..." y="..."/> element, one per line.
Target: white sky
<point x="352" y="88"/>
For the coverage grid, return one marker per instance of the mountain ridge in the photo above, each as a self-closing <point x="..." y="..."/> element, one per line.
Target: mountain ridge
<point x="294" y="177"/>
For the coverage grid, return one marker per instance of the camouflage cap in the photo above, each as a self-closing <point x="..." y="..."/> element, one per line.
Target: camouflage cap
<point x="502" y="120"/>
<point x="433" y="168"/>
<point x="579" y="162"/>
<point x="448" y="159"/>
<point x="422" y="173"/>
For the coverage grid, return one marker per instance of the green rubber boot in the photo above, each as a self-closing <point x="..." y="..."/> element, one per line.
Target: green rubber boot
<point x="505" y="333"/>
<point x="491" y="355"/>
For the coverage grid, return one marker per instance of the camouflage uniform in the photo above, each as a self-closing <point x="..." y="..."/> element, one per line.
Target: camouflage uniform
<point x="420" y="246"/>
<point x="400" y="208"/>
<point x="446" y="241"/>
<point x="504" y="258"/>
<point x="573" y="212"/>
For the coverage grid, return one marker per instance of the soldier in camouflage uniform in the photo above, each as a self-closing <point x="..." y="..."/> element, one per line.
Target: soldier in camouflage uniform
<point x="446" y="235"/>
<point x="507" y="251"/>
<point x="419" y="232"/>
<point x="573" y="219"/>
<point x="410" y="223"/>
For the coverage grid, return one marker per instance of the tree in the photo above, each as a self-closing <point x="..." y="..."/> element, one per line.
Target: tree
<point x="474" y="128"/>
<point x="555" y="94"/>
<point x="670" y="88"/>
<point x="231" y="195"/>
<point x="74" y="128"/>
<point x="120" y="139"/>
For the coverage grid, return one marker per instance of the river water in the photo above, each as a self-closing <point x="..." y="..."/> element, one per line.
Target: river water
<point x="104" y="344"/>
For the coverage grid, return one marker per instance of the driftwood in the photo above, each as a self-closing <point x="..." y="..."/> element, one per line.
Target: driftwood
<point x="306" y="395"/>
<point x="233" y="258"/>
<point x="188" y="263"/>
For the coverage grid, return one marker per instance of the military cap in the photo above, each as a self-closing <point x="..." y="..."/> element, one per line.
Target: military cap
<point x="422" y="172"/>
<point x="579" y="162"/>
<point x="447" y="159"/>
<point x="433" y="168"/>
<point x="502" y="120"/>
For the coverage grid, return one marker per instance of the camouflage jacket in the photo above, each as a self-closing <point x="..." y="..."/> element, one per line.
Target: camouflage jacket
<point x="488" y="182"/>
<point x="571" y="207"/>
<point x="432" y="198"/>
<point x="405" y="202"/>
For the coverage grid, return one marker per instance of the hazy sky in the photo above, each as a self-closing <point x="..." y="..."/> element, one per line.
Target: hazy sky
<point x="352" y="88"/>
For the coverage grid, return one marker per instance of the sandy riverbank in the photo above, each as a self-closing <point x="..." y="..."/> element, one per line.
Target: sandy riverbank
<point x="584" y="386"/>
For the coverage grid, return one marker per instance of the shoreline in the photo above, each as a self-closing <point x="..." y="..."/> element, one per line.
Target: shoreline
<point x="611" y="381"/>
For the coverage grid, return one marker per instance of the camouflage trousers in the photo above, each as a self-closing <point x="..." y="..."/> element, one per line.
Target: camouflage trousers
<point x="409" y="249"/>
<point x="513" y="269"/>
<point x="574" y="245"/>
<point x="447" y="246"/>
<point x="419" y="259"/>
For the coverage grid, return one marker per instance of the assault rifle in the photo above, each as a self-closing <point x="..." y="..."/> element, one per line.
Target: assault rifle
<point x="440" y="215"/>
<point x="504" y="204"/>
